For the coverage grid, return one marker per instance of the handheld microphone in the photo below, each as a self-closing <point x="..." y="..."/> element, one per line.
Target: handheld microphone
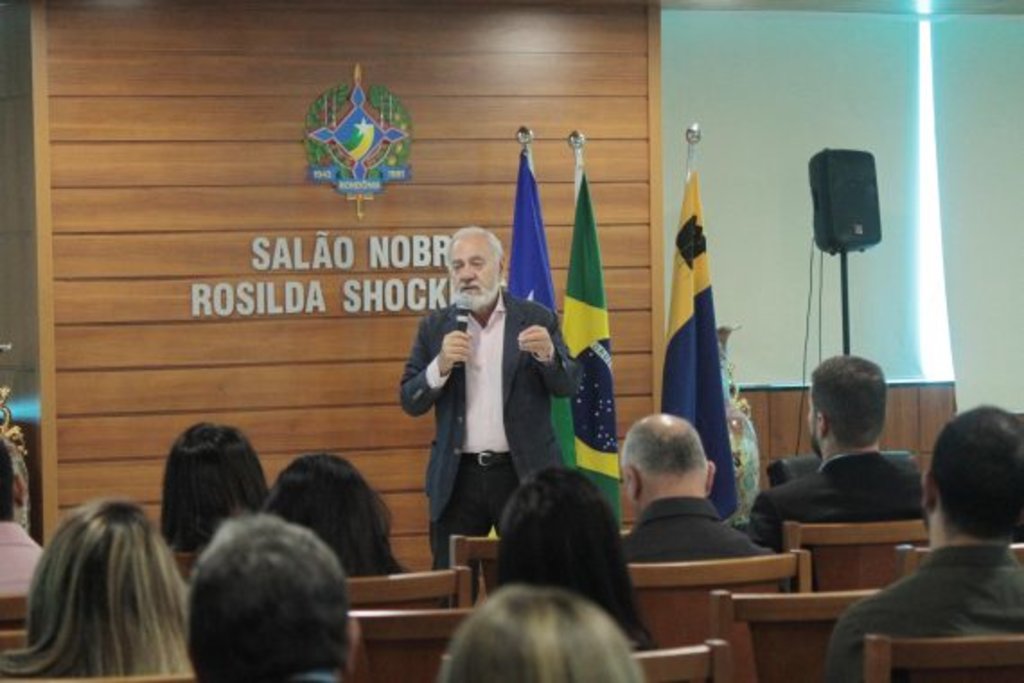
<point x="462" y="312"/>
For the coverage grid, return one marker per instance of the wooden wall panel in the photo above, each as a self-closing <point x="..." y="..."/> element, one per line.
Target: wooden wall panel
<point x="175" y="137"/>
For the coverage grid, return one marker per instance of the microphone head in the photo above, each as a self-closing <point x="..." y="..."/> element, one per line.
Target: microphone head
<point x="463" y="308"/>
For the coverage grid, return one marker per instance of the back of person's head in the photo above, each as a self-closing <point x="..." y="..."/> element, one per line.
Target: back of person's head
<point x="212" y="473"/>
<point x="850" y="391"/>
<point x="664" y="445"/>
<point x="978" y="468"/>
<point x="268" y="603"/>
<point x="6" y="483"/>
<point x="541" y="635"/>
<point x="558" y="530"/>
<point x="106" y="600"/>
<point x="326" y="494"/>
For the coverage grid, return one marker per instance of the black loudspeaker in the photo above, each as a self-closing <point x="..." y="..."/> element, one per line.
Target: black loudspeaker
<point x="845" y="194"/>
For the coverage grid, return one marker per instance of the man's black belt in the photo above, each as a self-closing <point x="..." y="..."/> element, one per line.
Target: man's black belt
<point x="489" y="458"/>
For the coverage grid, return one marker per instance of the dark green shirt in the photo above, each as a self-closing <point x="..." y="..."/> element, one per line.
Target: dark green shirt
<point x="960" y="590"/>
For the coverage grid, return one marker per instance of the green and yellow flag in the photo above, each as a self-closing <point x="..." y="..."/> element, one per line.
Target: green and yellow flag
<point x="586" y="332"/>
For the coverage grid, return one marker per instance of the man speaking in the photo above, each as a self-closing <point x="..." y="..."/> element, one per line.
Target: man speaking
<point x="488" y="365"/>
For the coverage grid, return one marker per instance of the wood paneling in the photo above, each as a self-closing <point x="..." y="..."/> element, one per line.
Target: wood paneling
<point x="215" y="119"/>
<point x="233" y="164"/>
<point x="176" y="139"/>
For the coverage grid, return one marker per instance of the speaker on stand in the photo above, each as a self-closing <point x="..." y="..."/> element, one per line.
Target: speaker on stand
<point x="844" y="190"/>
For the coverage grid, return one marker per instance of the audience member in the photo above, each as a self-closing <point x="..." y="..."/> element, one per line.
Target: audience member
<point x="557" y="530"/>
<point x="326" y="494"/>
<point x="212" y="473"/>
<point x="19" y="552"/>
<point x="540" y="635"/>
<point x="268" y="604"/>
<point x="106" y="600"/>
<point x="855" y="483"/>
<point x="667" y="478"/>
<point x="971" y="583"/>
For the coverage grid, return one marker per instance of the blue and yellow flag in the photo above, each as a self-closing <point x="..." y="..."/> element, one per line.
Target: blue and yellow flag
<point x="692" y="380"/>
<point x="588" y="337"/>
<point x="529" y="276"/>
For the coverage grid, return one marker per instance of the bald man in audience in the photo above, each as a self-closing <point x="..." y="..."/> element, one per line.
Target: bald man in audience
<point x="668" y="478"/>
<point x="18" y="551"/>
<point x="854" y="483"/>
<point x="971" y="583"/>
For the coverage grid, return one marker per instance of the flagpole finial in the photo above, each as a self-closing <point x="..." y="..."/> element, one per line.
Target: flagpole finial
<point x="693" y="134"/>
<point x="577" y="140"/>
<point x="524" y="136"/>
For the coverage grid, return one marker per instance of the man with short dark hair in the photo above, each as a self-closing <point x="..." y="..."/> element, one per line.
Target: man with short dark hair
<point x="268" y="604"/>
<point x="667" y="477"/>
<point x="854" y="483"/>
<point x="971" y="583"/>
<point x="19" y="552"/>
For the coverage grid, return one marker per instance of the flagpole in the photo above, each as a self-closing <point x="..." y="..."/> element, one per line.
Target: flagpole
<point x="525" y="138"/>
<point x="693" y="136"/>
<point x="576" y="141"/>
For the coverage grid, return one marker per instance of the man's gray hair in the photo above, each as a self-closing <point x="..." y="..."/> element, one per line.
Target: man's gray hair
<point x="664" y="444"/>
<point x="476" y="231"/>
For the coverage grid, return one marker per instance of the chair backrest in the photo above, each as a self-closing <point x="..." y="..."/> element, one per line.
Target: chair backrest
<point x="402" y="645"/>
<point x="185" y="562"/>
<point x="707" y="663"/>
<point x="480" y="554"/>
<point x="673" y="597"/>
<point x="789" y="633"/>
<point x="991" y="658"/>
<point x="427" y="590"/>
<point x="12" y="639"/>
<point x="853" y="555"/>
<point x="13" y="610"/>
<point x="909" y="557"/>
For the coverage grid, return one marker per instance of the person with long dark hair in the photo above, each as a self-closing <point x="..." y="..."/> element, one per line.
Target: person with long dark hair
<point x="212" y="473"/>
<point x="325" y="493"/>
<point x="558" y="530"/>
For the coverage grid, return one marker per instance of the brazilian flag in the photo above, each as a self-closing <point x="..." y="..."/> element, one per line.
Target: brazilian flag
<point x="586" y="332"/>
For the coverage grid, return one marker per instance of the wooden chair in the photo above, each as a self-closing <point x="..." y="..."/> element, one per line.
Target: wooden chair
<point x="789" y="633"/>
<point x="403" y="645"/>
<point x="707" y="663"/>
<point x="674" y="597"/>
<point x="993" y="658"/>
<point x="855" y="555"/>
<point x="13" y="610"/>
<point x="428" y="590"/>
<point x="909" y="557"/>
<point x="480" y="554"/>
<point x="12" y="639"/>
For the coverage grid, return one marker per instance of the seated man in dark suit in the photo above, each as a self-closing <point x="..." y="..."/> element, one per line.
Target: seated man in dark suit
<point x="667" y="477"/>
<point x="854" y="483"/>
<point x="970" y="584"/>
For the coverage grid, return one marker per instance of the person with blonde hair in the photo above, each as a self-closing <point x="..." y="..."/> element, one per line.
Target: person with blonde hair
<point x="106" y="600"/>
<point x="531" y="634"/>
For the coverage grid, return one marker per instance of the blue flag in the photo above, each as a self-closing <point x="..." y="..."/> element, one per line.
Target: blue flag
<point x="529" y="277"/>
<point x="692" y="379"/>
<point x="529" y="269"/>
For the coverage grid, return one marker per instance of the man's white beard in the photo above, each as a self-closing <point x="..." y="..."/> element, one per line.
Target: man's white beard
<point x="481" y="301"/>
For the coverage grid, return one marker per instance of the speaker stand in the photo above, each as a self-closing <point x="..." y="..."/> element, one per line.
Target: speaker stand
<point x="844" y="287"/>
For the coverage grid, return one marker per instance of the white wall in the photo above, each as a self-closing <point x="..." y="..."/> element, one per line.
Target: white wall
<point x="770" y="90"/>
<point x="979" y="110"/>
